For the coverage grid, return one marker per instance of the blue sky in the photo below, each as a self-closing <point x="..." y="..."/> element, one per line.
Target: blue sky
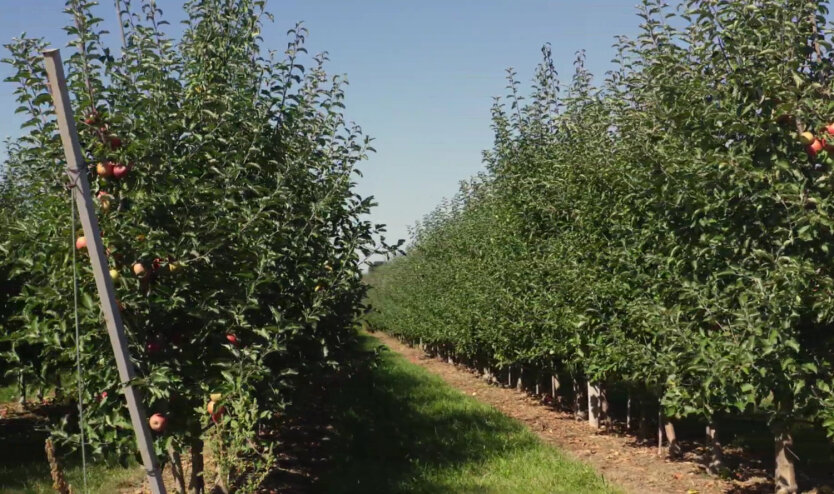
<point x="422" y="74"/>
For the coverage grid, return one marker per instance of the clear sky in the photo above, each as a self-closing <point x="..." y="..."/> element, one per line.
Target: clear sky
<point x="422" y="74"/>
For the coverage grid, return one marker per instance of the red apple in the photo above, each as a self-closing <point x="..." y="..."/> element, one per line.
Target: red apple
<point x="816" y="147"/>
<point x="105" y="169"/>
<point x="102" y="396"/>
<point x="115" y="143"/>
<point x="232" y="338"/>
<point x="830" y="128"/>
<point x="157" y="422"/>
<point x="81" y="243"/>
<point x="92" y="118"/>
<point x="215" y="411"/>
<point x="153" y="348"/>
<point x="120" y="170"/>
<point x="157" y="263"/>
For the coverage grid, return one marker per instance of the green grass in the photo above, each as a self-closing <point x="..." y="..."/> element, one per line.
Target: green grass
<point x="8" y="391"/>
<point x="33" y="478"/>
<point x="23" y="465"/>
<point x="403" y="430"/>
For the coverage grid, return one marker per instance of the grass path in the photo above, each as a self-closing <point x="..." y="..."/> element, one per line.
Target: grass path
<point x="404" y="430"/>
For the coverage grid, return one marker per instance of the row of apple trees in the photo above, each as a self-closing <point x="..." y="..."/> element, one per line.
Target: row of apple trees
<point x="668" y="231"/>
<point x="223" y="178"/>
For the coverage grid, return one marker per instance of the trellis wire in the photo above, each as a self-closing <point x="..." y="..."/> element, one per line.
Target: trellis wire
<point x="78" y="346"/>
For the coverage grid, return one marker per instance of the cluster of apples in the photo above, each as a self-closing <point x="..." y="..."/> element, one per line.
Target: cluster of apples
<point x="93" y="120"/>
<point x="158" y="421"/>
<point x="815" y="145"/>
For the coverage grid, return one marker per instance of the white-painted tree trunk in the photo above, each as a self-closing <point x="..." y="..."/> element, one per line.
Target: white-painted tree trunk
<point x="628" y="412"/>
<point x="674" y="447"/>
<point x="716" y="460"/>
<point x="554" y="387"/>
<point x="594" y="405"/>
<point x="785" y="473"/>
<point x="578" y="398"/>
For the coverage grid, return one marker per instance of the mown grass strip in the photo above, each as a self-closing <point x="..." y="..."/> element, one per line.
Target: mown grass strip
<point x="404" y="430"/>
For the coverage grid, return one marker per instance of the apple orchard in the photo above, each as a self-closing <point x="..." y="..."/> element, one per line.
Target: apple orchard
<point x="662" y="236"/>
<point x="223" y="179"/>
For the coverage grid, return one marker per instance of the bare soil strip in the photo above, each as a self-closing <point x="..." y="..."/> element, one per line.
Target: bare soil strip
<point x="623" y="461"/>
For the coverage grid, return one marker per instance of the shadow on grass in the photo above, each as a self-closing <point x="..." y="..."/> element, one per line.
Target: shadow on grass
<point x="400" y="429"/>
<point x="22" y="456"/>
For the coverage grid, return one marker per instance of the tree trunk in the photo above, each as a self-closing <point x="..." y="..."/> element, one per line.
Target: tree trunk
<point x="59" y="481"/>
<point x="674" y="450"/>
<point x="22" y="384"/>
<point x="628" y="412"/>
<point x="198" y="482"/>
<point x="594" y="405"/>
<point x="176" y="469"/>
<point x="785" y="474"/>
<point x="519" y="385"/>
<point x="716" y="460"/>
<point x="554" y="387"/>
<point x="538" y="382"/>
<point x="603" y="405"/>
<point x="643" y="430"/>
<point x="578" y="396"/>
<point x="509" y="377"/>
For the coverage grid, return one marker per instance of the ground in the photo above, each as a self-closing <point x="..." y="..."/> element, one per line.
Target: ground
<point x="403" y="422"/>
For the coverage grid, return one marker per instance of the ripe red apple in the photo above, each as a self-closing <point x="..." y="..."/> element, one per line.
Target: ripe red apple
<point x="157" y="422"/>
<point x="120" y="170"/>
<point x="830" y="128"/>
<point x="115" y="143"/>
<point x="232" y="338"/>
<point x="105" y="169"/>
<point x="91" y="118"/>
<point x="138" y="269"/>
<point x="102" y="396"/>
<point x="216" y="411"/>
<point x="81" y="243"/>
<point x="157" y="263"/>
<point x="816" y="147"/>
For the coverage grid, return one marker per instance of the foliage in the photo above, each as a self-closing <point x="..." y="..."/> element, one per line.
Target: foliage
<point x="238" y="202"/>
<point x="665" y="229"/>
